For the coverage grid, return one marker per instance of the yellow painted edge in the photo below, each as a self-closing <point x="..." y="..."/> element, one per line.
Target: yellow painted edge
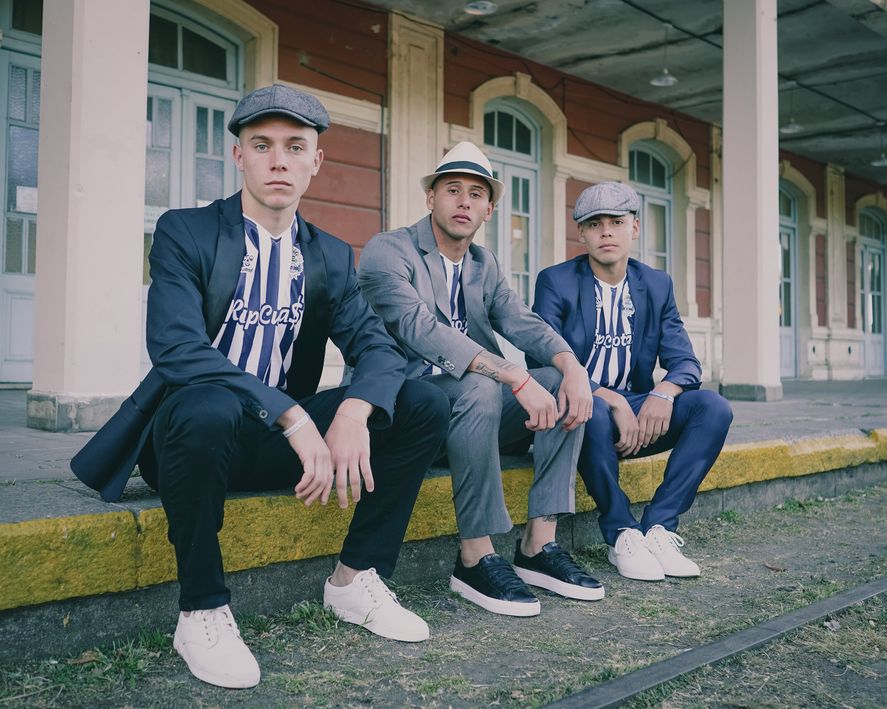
<point x="52" y="559"/>
<point x="64" y="557"/>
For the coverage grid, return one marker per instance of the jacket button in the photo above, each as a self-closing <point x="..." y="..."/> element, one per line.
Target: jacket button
<point x="263" y="414"/>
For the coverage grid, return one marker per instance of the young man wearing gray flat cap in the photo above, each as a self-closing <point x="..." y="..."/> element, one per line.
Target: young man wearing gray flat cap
<point x="620" y="317"/>
<point x="443" y="298"/>
<point x="244" y="295"/>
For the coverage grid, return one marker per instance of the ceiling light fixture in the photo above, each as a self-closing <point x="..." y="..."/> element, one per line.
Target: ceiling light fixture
<point x="881" y="161"/>
<point x="792" y="127"/>
<point x="664" y="78"/>
<point x="480" y="7"/>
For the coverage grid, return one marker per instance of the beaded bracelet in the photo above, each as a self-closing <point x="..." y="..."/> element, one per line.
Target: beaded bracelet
<point x="523" y="384"/>
<point x="296" y="426"/>
<point x="659" y="394"/>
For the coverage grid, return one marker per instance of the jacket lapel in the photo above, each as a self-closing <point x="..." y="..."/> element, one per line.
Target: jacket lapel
<point x="473" y="291"/>
<point x="316" y="314"/>
<point x="638" y="290"/>
<point x="230" y="250"/>
<point x="587" y="306"/>
<point x="431" y="256"/>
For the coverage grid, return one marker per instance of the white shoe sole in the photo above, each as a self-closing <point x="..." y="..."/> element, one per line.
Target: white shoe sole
<point x="635" y="575"/>
<point x="568" y="590"/>
<point x="494" y="605"/>
<point x="361" y="620"/>
<point x="680" y="574"/>
<point x="211" y="678"/>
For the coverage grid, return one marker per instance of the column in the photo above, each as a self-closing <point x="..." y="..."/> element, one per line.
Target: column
<point x="836" y="245"/>
<point x="751" y="189"/>
<point x="90" y="221"/>
<point x="415" y="71"/>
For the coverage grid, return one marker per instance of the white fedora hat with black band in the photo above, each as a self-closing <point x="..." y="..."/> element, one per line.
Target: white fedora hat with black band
<point x="465" y="158"/>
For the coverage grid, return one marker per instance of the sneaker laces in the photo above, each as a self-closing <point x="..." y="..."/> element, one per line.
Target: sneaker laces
<point x="376" y="587"/>
<point x="674" y="539"/>
<point x="560" y="560"/>
<point x="628" y="540"/>
<point x="216" y="621"/>
<point x="502" y="575"/>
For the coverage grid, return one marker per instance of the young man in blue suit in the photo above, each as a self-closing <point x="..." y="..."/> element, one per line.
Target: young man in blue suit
<point x="619" y="316"/>
<point x="244" y="295"/>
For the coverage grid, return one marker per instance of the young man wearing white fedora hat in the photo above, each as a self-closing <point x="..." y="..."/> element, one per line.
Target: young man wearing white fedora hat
<point x="443" y="299"/>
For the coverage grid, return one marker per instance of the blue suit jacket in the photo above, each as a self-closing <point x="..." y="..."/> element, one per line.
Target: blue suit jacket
<point x="565" y="299"/>
<point x="195" y="263"/>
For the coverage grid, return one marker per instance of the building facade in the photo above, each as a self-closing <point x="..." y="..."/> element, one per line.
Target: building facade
<point x="124" y="124"/>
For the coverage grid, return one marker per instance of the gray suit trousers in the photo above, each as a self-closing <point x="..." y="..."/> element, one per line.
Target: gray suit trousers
<point x="486" y="415"/>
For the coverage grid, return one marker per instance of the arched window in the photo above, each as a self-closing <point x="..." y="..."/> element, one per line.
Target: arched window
<point x="194" y="71"/>
<point x="650" y="173"/>
<point x="512" y="142"/>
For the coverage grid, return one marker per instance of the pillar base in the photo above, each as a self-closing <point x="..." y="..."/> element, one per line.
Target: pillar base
<point x="751" y="392"/>
<point x="70" y="414"/>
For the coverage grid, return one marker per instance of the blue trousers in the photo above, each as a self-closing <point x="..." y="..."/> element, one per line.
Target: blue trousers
<point x="697" y="430"/>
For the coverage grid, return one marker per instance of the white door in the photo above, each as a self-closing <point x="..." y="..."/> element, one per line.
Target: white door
<point x="511" y="235"/>
<point x="871" y="288"/>
<point x="188" y="161"/>
<point x="19" y="118"/>
<point x="787" y="304"/>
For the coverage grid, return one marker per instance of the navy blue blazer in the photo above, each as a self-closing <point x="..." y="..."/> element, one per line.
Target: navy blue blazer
<point x="565" y="299"/>
<point x="195" y="262"/>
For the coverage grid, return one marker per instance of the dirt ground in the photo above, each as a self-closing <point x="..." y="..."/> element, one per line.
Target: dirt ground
<point x="755" y="567"/>
<point x="839" y="661"/>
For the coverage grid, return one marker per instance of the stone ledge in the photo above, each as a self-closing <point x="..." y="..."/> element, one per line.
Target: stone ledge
<point x="125" y="548"/>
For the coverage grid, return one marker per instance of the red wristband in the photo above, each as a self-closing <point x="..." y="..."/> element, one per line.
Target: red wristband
<point x="523" y="384"/>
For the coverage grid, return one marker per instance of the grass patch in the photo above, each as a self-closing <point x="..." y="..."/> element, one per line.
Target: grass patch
<point x="311" y="616"/>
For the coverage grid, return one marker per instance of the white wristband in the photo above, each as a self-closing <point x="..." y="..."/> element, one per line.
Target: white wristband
<point x="296" y="426"/>
<point x="667" y="397"/>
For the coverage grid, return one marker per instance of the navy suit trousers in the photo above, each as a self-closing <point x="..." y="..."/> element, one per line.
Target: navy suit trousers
<point x="697" y="430"/>
<point x="203" y="446"/>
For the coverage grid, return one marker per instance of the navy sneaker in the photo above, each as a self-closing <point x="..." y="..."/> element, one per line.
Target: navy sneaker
<point x="555" y="570"/>
<point x="493" y="585"/>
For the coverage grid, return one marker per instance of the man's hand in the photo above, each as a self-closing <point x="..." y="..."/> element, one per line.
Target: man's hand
<point x="317" y="467"/>
<point x="349" y="443"/>
<point x="574" y="400"/>
<point x="654" y="418"/>
<point x="538" y="403"/>
<point x="627" y="423"/>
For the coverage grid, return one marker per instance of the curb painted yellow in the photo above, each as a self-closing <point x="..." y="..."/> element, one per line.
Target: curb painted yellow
<point x="53" y="559"/>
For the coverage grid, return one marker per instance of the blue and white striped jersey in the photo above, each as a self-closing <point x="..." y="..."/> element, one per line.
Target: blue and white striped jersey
<point x="609" y="363"/>
<point x="265" y="314"/>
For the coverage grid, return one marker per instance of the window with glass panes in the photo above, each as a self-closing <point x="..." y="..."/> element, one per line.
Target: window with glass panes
<point x="20" y="118"/>
<point x="650" y="175"/>
<point x="872" y="243"/>
<point x="192" y="91"/>
<point x="788" y="226"/>
<point x="511" y="144"/>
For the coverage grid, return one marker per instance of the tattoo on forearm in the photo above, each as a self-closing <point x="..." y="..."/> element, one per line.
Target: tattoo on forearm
<point x="491" y="366"/>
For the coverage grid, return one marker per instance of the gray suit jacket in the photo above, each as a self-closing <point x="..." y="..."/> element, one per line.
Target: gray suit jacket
<point x="402" y="278"/>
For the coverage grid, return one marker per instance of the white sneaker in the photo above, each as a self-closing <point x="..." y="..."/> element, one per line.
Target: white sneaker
<point x="367" y="601"/>
<point x="633" y="559"/>
<point x="665" y="546"/>
<point x="210" y="644"/>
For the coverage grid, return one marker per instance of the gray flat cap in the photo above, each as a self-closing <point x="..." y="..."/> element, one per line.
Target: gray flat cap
<point x="279" y="100"/>
<point x="612" y="198"/>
